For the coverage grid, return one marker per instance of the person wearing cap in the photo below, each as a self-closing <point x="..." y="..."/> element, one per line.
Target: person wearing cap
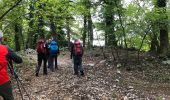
<point x="6" y="54"/>
<point x="77" y="54"/>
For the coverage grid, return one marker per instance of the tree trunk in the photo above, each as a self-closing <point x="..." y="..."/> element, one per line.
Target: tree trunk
<point x="40" y="27"/>
<point x="53" y="28"/>
<point x="85" y="31"/>
<point x="68" y="31"/>
<point x="17" y="37"/>
<point x="29" y="43"/>
<point x="110" y="37"/>
<point x="90" y="31"/>
<point x="164" y="40"/>
<point x="87" y="4"/>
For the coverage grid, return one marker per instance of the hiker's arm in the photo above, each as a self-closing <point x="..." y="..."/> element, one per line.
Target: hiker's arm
<point x="13" y="56"/>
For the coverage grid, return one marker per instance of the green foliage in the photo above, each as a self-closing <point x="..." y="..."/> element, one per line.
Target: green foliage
<point x="136" y="17"/>
<point x="131" y="10"/>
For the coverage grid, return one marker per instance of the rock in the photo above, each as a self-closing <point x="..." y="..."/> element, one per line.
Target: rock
<point x="108" y="65"/>
<point x="118" y="72"/>
<point x="117" y="80"/>
<point x="130" y="87"/>
<point x="119" y="65"/>
<point x="125" y="98"/>
<point x="67" y="98"/>
<point x="166" y="62"/>
<point x="91" y="65"/>
<point x="114" y="86"/>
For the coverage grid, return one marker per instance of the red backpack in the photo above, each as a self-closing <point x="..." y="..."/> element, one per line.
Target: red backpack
<point x="41" y="46"/>
<point x="77" y="48"/>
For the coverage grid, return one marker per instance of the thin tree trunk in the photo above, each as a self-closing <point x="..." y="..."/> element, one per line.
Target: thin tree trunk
<point x="90" y="31"/>
<point x="85" y="31"/>
<point x="87" y="4"/>
<point x="68" y="31"/>
<point x="53" y="28"/>
<point x="29" y="43"/>
<point x="17" y="37"/>
<point x="143" y="41"/>
<point x="40" y="27"/>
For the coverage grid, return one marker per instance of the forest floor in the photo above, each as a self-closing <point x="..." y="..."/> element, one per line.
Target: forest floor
<point x="105" y="79"/>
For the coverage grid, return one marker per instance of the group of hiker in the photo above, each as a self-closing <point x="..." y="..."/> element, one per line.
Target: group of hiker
<point x="47" y="52"/>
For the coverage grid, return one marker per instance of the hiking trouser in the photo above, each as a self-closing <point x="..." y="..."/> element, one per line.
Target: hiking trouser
<point x="48" y="60"/>
<point x="52" y="60"/>
<point x="6" y="91"/>
<point x="42" y="58"/>
<point x="78" y="64"/>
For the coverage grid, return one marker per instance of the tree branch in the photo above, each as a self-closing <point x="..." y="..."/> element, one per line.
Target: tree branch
<point x="16" y="4"/>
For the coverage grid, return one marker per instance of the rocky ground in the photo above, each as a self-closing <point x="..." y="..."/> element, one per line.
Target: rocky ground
<point x="103" y="80"/>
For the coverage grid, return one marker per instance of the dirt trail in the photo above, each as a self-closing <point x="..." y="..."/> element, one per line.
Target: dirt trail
<point x="63" y="85"/>
<point x="101" y="82"/>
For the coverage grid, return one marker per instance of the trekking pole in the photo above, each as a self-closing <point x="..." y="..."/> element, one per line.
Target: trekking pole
<point x="15" y="76"/>
<point x="23" y="88"/>
<point x="18" y="80"/>
<point x="19" y="89"/>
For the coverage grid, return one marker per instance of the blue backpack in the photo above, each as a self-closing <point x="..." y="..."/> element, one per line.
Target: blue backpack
<point x="53" y="47"/>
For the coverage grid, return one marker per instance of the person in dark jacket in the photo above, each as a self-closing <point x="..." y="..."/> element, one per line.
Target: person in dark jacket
<point x="77" y="54"/>
<point x="41" y="55"/>
<point x="6" y="54"/>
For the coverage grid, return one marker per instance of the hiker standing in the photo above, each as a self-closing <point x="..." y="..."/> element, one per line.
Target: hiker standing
<point x="77" y="54"/>
<point x="41" y="53"/>
<point x="54" y="52"/>
<point x="5" y="84"/>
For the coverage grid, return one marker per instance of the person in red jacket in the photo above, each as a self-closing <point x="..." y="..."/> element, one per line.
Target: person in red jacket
<point x="77" y="54"/>
<point x="6" y="54"/>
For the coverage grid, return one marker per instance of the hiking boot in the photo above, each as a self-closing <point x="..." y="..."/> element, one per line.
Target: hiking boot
<point x="36" y="74"/>
<point x="76" y="73"/>
<point x="82" y="73"/>
<point x="52" y="69"/>
<point x="44" y="73"/>
<point x="56" y="67"/>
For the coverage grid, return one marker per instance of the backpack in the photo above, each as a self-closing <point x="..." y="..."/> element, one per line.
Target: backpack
<point x="41" y="46"/>
<point x="77" y="48"/>
<point x="53" y="47"/>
